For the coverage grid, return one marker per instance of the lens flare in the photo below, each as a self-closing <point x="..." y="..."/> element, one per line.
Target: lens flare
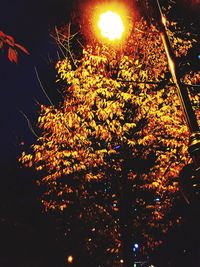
<point x="111" y="25"/>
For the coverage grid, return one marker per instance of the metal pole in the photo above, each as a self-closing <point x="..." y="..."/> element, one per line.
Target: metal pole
<point x="194" y="143"/>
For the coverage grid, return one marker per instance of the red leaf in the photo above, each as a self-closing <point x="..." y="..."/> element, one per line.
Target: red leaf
<point x="10" y="40"/>
<point x="1" y="44"/>
<point x="22" y="48"/>
<point x="2" y="35"/>
<point x="12" y="54"/>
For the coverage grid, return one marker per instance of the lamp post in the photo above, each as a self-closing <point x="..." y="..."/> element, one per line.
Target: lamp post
<point x="188" y="112"/>
<point x="189" y="175"/>
<point x="182" y="91"/>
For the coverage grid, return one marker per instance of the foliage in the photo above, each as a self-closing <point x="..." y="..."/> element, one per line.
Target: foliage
<point x="120" y="115"/>
<point x="7" y="40"/>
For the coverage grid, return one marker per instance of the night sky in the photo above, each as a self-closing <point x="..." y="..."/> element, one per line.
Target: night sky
<point x="30" y="23"/>
<point x="28" y="237"/>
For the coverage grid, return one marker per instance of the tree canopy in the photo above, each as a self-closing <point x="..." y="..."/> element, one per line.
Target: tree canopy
<point x="120" y="118"/>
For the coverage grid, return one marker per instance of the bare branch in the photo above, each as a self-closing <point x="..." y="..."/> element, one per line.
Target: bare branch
<point x="42" y="87"/>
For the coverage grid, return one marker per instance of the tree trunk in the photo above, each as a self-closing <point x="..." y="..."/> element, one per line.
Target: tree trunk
<point x="125" y="205"/>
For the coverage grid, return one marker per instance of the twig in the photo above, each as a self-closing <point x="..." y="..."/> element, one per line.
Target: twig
<point x="60" y="45"/>
<point x="42" y="87"/>
<point x="170" y="163"/>
<point x="64" y="42"/>
<point x="29" y="124"/>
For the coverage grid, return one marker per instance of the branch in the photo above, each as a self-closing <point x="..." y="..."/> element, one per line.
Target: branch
<point x="43" y="87"/>
<point x="29" y="124"/>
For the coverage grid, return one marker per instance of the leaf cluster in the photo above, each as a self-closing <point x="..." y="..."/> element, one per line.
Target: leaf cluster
<point x="120" y="112"/>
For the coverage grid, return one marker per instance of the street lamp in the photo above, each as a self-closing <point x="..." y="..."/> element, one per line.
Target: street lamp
<point x="111" y="25"/>
<point x="111" y="30"/>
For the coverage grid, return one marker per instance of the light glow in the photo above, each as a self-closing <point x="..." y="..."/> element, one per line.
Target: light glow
<point x="164" y="20"/>
<point x="111" y="25"/>
<point x="70" y="259"/>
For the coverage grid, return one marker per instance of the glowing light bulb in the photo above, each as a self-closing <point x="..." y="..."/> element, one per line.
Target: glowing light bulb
<point x="111" y="25"/>
<point x="70" y="259"/>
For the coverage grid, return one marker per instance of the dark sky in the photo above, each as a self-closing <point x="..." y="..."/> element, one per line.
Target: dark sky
<point x="24" y="230"/>
<point x="30" y="23"/>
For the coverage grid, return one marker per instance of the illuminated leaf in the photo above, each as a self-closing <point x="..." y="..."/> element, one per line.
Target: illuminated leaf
<point x="12" y="54"/>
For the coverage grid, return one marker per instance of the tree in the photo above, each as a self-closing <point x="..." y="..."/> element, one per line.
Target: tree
<point x="110" y="154"/>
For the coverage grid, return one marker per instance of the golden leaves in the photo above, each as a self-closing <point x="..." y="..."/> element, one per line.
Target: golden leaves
<point x="26" y="159"/>
<point x="104" y="119"/>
